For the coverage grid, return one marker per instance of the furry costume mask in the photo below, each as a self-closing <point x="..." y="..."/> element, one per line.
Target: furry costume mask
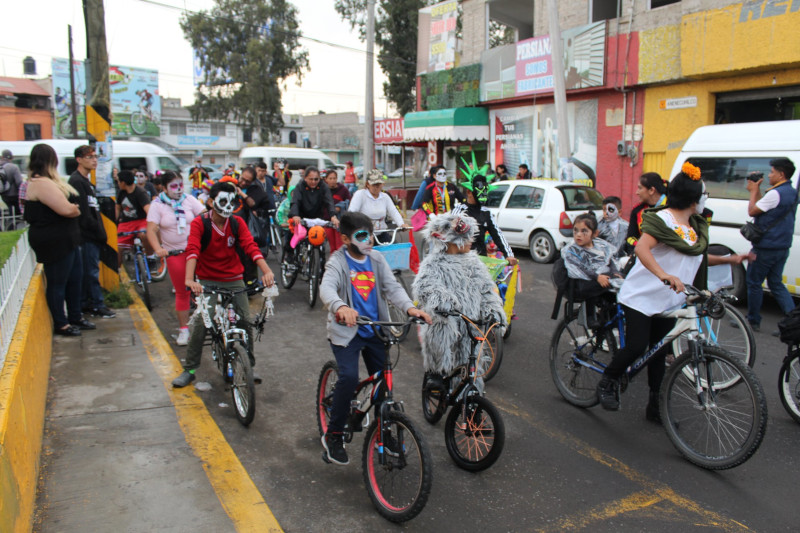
<point x="443" y="229"/>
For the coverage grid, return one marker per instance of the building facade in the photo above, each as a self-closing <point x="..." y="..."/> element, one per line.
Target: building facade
<point x="25" y="113"/>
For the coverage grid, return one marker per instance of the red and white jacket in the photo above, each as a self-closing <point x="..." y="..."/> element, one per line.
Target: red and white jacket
<point x="220" y="260"/>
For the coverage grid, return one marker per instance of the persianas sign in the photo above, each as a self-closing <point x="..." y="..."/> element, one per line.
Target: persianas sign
<point x="388" y="131"/>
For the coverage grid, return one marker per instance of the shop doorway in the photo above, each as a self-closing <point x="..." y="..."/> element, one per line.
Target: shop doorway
<point x="758" y="105"/>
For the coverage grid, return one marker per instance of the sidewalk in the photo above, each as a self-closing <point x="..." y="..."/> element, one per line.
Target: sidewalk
<point x="122" y="451"/>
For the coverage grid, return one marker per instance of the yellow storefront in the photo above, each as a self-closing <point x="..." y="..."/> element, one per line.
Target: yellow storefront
<point x="737" y="52"/>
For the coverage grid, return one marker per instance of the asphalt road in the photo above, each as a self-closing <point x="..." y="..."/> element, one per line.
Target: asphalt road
<point x="563" y="468"/>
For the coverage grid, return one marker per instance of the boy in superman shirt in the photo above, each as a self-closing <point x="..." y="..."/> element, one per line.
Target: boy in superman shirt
<point x="211" y="252"/>
<point x="357" y="283"/>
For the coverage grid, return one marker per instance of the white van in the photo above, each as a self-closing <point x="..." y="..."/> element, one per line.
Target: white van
<point x="726" y="154"/>
<point x="296" y="158"/>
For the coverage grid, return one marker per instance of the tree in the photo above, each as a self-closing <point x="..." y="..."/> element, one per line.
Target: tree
<point x="245" y="48"/>
<point x="396" y="37"/>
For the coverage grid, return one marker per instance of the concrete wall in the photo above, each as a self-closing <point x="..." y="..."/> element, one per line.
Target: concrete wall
<point x="23" y="392"/>
<point x="473" y="24"/>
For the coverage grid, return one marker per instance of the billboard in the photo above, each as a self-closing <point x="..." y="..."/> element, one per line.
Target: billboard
<point x="529" y="135"/>
<point x="388" y="131"/>
<point x="135" y="105"/>
<point x="443" y="35"/>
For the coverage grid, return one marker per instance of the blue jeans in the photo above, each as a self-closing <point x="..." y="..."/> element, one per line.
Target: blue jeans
<point x="768" y="265"/>
<point x="64" y="285"/>
<point x="374" y="354"/>
<point x="92" y="293"/>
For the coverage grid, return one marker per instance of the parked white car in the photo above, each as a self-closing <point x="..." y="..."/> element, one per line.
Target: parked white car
<point x="538" y="214"/>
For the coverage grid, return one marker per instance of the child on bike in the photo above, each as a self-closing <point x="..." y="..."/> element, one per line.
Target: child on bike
<point x="453" y="278"/>
<point x="211" y="252"/>
<point x="356" y="283"/>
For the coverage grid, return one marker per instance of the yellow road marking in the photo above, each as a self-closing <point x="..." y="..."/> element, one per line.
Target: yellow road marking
<point x="235" y="489"/>
<point x="653" y="490"/>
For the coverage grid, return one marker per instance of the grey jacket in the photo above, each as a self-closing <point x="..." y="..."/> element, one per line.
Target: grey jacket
<point x="336" y="291"/>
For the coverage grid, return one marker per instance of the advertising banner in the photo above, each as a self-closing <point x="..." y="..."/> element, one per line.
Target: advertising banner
<point x="534" y="66"/>
<point x="135" y="105"/>
<point x="443" y="35"/>
<point x="529" y="135"/>
<point x="388" y="131"/>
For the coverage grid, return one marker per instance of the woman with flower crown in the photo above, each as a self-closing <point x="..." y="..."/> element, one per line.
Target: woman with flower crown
<point x="671" y="251"/>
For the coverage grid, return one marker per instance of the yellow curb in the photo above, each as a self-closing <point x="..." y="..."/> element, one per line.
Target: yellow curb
<point x="235" y="489"/>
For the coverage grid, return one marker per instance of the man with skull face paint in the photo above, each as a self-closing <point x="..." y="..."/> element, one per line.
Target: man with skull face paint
<point x="440" y="196"/>
<point x="219" y="265"/>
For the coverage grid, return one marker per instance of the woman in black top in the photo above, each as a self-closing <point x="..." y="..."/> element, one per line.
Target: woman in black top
<point x="51" y="210"/>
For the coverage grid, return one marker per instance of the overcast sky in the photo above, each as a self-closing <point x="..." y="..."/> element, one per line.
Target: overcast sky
<point x="143" y="34"/>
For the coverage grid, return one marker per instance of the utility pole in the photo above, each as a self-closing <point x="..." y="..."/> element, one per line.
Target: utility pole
<point x="559" y="84"/>
<point x="73" y="109"/>
<point x="369" y="113"/>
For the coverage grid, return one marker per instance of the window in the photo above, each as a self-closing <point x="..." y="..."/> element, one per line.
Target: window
<point x="725" y="176"/>
<point x="496" y="194"/>
<point x="292" y="137"/>
<point x="218" y="130"/>
<point x="33" y="132"/>
<point x="604" y="9"/>
<point x="165" y="163"/>
<point x="581" y="198"/>
<point x="301" y="164"/>
<point x="129" y="163"/>
<point x="247" y="135"/>
<point x="247" y="161"/>
<point x="177" y="128"/>
<point x="524" y="197"/>
<point x="661" y="3"/>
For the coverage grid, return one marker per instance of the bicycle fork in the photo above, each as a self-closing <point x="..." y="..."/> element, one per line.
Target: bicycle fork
<point x="705" y="397"/>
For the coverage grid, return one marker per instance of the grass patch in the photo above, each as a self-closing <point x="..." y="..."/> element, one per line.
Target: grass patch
<point x="119" y="297"/>
<point x="7" y="241"/>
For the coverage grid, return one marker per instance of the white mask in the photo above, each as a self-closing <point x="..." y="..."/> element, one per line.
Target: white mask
<point x="223" y="204"/>
<point x="364" y="247"/>
<point x="701" y="205"/>
<point x="612" y="213"/>
<point x="441" y="176"/>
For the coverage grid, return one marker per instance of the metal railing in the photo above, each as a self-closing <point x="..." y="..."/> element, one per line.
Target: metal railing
<point x="15" y="276"/>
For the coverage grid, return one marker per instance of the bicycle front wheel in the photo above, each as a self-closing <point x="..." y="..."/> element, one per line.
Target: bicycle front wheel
<point x="434" y="400"/>
<point x="474" y="433"/>
<point x="397" y="467"/>
<point x="325" y="387"/>
<point x="491" y="354"/>
<point x="142" y="281"/>
<point x="789" y="385"/>
<point x="138" y="122"/>
<point x="715" y="427"/>
<point x="315" y="277"/>
<point x="158" y="269"/>
<point x="577" y="360"/>
<point x="243" y="390"/>
<point x="288" y="271"/>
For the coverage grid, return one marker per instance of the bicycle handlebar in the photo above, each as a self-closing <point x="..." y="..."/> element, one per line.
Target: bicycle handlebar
<point x="712" y="302"/>
<point x="377" y="325"/>
<point x="231" y="292"/>
<point x="126" y="233"/>
<point x="387" y="230"/>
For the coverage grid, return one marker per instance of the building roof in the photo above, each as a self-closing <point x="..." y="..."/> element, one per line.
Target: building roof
<point x="10" y="86"/>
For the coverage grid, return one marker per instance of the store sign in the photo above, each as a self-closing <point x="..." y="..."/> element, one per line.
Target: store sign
<point x="534" y="66"/>
<point x="443" y="35"/>
<point x="433" y="154"/>
<point x="198" y="129"/>
<point x="678" y="103"/>
<point x="388" y="131"/>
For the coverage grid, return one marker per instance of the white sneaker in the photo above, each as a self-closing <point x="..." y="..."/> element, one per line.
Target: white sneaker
<point x="183" y="337"/>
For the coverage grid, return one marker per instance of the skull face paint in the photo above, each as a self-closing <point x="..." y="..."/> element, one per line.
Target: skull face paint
<point x="223" y="204"/>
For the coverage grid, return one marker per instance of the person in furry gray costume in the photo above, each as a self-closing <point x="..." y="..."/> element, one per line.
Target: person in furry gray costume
<point x="453" y="278"/>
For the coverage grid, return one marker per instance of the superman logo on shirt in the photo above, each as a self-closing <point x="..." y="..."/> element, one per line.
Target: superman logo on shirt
<point x="363" y="282"/>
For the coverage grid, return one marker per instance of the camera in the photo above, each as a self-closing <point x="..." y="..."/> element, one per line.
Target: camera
<point x="755" y="176"/>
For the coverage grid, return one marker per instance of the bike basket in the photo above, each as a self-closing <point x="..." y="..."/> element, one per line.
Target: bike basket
<point x="397" y="254"/>
<point x="789" y="327"/>
<point x="495" y="265"/>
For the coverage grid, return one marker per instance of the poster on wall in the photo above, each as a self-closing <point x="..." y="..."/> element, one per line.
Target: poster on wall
<point x="443" y="35"/>
<point x="529" y="135"/>
<point x="135" y="104"/>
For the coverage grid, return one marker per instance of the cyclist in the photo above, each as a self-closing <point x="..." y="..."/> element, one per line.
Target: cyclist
<point x="310" y="199"/>
<point x="280" y="178"/>
<point x="476" y="191"/>
<point x="197" y="176"/>
<point x="357" y="282"/>
<point x="672" y="248"/>
<point x="376" y="204"/>
<point x="132" y="207"/>
<point x="211" y="253"/>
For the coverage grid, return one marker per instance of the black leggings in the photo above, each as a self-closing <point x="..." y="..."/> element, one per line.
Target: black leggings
<point x="641" y="332"/>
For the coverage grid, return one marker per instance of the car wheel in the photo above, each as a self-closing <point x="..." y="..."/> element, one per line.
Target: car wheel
<point x="542" y="246"/>
<point x="738" y="272"/>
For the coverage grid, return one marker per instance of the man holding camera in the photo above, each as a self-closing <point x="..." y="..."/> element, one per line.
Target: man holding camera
<point x="773" y="212"/>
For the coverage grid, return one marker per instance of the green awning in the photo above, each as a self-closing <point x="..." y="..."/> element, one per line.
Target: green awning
<point x="457" y="124"/>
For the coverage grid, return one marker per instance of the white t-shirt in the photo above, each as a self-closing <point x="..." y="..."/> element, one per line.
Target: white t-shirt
<point x="377" y="209"/>
<point x="646" y="293"/>
<point x="770" y="200"/>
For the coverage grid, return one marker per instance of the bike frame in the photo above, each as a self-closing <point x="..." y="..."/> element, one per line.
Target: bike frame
<point x="468" y="371"/>
<point x="138" y="249"/>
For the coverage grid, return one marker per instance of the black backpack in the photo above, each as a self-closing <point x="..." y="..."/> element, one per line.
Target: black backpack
<point x="205" y="238"/>
<point x="5" y="183"/>
<point x="789" y="327"/>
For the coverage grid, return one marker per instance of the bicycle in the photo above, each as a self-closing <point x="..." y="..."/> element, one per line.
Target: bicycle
<point x="398" y="479"/>
<point x="142" y="273"/>
<point x="474" y="432"/>
<point x="789" y="382"/>
<point x="275" y="239"/>
<point x="397" y="254"/>
<point x="230" y="348"/>
<point x="309" y="262"/>
<point x="712" y="405"/>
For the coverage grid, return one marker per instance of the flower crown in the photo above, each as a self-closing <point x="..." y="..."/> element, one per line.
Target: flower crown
<point x="691" y="171"/>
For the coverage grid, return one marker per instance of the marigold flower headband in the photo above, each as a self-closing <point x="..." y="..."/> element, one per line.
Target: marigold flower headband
<point x="691" y="171"/>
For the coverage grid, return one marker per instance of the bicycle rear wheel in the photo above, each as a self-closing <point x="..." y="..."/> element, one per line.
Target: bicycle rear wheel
<point x="474" y="433"/>
<point x="315" y="270"/>
<point x="324" y="400"/>
<point x="715" y="427"/>
<point x="399" y="479"/>
<point x="243" y="390"/>
<point x="288" y="270"/>
<point x="789" y="385"/>
<point x="491" y="354"/>
<point x="158" y="268"/>
<point x="434" y="402"/>
<point x="143" y="282"/>
<point x="577" y="360"/>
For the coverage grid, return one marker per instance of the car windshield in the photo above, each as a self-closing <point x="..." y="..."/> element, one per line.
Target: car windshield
<point x="581" y="198"/>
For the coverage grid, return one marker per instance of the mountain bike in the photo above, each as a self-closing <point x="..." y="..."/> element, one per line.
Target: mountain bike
<point x="308" y="263"/>
<point x="398" y="476"/>
<point x="474" y="432"/>
<point x="230" y="346"/>
<point x="145" y="269"/>
<point x="712" y="405"/>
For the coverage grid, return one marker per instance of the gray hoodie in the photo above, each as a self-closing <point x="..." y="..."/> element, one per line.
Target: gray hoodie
<point x="336" y="290"/>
